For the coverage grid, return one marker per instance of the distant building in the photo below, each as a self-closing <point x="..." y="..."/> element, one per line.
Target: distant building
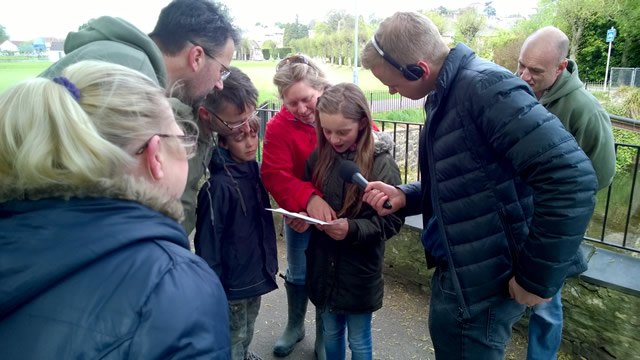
<point x="39" y="45"/>
<point x="56" y="51"/>
<point x="262" y="33"/>
<point x="9" y="46"/>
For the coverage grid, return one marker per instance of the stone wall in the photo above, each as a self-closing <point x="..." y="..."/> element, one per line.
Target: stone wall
<point x="406" y="154"/>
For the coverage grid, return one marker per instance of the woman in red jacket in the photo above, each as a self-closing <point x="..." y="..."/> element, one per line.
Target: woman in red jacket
<point x="289" y="139"/>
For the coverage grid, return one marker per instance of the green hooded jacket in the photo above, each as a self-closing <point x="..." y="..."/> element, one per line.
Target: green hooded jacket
<point x="583" y="116"/>
<point x="116" y="41"/>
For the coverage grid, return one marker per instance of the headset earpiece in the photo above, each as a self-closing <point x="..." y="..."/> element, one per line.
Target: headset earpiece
<point x="415" y="70"/>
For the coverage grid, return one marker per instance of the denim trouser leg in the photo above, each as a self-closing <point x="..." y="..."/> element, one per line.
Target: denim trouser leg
<point x="484" y="336"/>
<point x="545" y="329"/>
<point x="358" y="328"/>
<point x="296" y="259"/>
<point x="242" y="318"/>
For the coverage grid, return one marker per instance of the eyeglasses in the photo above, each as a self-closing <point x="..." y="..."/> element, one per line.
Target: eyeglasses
<point x="224" y="72"/>
<point x="239" y="125"/>
<point x="189" y="142"/>
<point x="296" y="59"/>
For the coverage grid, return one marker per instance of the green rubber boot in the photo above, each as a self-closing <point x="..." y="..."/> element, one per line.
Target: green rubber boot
<point x="294" y="332"/>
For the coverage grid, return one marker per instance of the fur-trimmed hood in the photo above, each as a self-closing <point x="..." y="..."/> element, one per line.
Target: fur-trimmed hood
<point x="125" y="188"/>
<point x="383" y="143"/>
<point x="50" y="233"/>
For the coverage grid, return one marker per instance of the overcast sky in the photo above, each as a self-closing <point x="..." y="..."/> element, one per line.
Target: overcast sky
<point x="27" y="19"/>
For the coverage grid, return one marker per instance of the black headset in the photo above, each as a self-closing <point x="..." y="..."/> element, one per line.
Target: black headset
<point x="410" y="72"/>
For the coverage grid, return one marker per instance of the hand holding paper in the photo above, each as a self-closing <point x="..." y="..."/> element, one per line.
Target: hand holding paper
<point x="307" y="219"/>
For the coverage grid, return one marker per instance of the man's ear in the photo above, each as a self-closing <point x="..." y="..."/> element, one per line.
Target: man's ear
<point x="154" y="159"/>
<point x="425" y="68"/>
<point x="562" y="66"/>
<point x="195" y="57"/>
<point x="204" y="114"/>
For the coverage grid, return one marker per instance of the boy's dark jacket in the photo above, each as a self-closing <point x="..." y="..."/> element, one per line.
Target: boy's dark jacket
<point x="346" y="276"/>
<point x="234" y="233"/>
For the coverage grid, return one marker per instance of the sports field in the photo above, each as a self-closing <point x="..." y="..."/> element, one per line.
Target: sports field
<point x="260" y="72"/>
<point x="13" y="72"/>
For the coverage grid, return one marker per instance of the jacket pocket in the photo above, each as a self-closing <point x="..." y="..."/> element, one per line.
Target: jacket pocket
<point x="513" y="249"/>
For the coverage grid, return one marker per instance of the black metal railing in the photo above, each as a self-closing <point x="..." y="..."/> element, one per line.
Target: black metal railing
<point x="616" y="219"/>
<point x="379" y="101"/>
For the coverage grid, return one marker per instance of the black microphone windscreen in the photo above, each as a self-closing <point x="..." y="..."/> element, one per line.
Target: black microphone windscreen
<point x="347" y="169"/>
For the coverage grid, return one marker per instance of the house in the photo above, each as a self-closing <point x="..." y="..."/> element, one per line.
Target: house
<point x="256" y="51"/>
<point x="9" y="46"/>
<point x="56" y="51"/>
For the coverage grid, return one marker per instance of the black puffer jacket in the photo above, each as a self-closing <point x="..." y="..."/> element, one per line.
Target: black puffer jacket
<point x="346" y="275"/>
<point x="514" y="192"/>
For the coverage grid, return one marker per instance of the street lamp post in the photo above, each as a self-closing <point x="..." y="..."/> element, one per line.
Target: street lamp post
<point x="355" y="47"/>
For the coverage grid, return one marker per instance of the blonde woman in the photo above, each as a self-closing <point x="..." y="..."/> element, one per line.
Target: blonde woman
<point x="93" y="261"/>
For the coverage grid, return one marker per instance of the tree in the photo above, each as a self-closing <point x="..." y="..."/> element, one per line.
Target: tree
<point x="26" y="47"/>
<point x="85" y="25"/>
<point x="628" y="18"/>
<point x="488" y="9"/>
<point x="272" y="46"/>
<point x="294" y="31"/>
<point x="574" y="15"/>
<point x="245" y="48"/>
<point x="468" y="26"/>
<point x="441" y="22"/>
<point x="224" y="10"/>
<point x="3" y="34"/>
<point x="444" y="11"/>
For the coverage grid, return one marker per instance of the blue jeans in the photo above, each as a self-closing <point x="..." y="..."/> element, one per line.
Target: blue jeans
<point x="545" y="329"/>
<point x="359" y="333"/>
<point x="483" y="336"/>
<point x="242" y="318"/>
<point x="296" y="259"/>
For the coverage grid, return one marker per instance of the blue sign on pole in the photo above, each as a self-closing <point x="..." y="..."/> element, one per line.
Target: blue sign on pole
<point x="611" y="34"/>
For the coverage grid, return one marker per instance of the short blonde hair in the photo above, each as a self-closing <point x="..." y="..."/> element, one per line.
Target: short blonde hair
<point x="292" y="73"/>
<point x="49" y="137"/>
<point x="408" y="37"/>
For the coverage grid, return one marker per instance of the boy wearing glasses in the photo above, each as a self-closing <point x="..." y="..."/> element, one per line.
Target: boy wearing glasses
<point x="235" y="235"/>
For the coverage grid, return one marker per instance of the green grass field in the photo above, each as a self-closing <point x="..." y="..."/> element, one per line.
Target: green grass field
<point x="260" y="72"/>
<point x="13" y="72"/>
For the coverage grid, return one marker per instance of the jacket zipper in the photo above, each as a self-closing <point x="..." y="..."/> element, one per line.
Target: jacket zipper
<point x="507" y="230"/>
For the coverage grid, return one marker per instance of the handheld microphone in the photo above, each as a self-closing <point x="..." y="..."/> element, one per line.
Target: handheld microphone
<point x="349" y="172"/>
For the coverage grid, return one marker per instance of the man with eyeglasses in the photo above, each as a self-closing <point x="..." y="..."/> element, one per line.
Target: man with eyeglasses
<point x="188" y="53"/>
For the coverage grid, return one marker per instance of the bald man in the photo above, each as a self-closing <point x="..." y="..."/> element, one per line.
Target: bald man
<point x="554" y="80"/>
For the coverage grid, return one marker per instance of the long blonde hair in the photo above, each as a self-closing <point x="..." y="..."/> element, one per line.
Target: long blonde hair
<point x="347" y="100"/>
<point x="49" y="137"/>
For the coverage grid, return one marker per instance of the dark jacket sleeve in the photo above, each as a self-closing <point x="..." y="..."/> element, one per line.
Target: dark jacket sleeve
<point x="186" y="317"/>
<point x="211" y="223"/>
<point x="548" y="159"/>
<point x="413" y="196"/>
<point x="369" y="226"/>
